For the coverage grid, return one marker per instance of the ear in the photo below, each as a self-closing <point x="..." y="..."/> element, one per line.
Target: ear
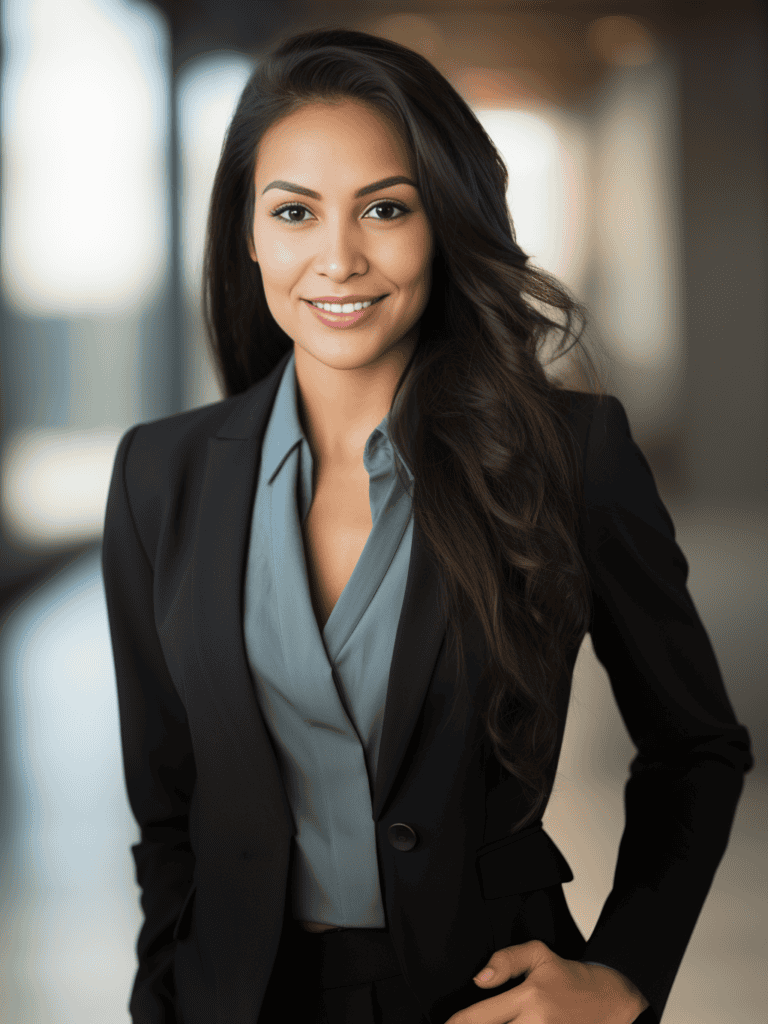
<point x="251" y="250"/>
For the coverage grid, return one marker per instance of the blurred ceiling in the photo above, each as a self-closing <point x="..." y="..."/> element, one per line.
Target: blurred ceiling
<point x="497" y="53"/>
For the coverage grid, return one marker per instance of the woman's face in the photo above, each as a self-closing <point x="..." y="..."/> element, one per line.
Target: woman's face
<point x="337" y="243"/>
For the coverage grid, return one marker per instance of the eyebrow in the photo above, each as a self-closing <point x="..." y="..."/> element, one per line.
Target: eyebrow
<point x="287" y="186"/>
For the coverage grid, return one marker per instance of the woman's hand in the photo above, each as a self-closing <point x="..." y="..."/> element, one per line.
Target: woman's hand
<point x="555" y="991"/>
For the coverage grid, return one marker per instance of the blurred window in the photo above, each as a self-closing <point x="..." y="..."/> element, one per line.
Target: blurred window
<point x="85" y="246"/>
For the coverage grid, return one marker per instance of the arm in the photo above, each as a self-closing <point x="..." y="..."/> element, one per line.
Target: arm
<point x="157" y="750"/>
<point x="687" y="776"/>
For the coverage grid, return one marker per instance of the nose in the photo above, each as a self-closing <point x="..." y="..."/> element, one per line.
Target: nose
<point x="341" y="253"/>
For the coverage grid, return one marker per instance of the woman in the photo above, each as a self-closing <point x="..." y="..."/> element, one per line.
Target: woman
<point x="346" y="601"/>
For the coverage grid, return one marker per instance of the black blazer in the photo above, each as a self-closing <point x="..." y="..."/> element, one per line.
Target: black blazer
<point x="204" y="784"/>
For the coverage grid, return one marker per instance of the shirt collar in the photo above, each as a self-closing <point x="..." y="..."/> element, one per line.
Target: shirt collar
<point x="284" y="431"/>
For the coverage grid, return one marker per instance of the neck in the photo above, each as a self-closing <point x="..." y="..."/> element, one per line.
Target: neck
<point x="340" y="408"/>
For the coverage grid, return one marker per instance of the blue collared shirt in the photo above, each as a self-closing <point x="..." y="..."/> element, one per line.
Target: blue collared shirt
<point x="322" y="693"/>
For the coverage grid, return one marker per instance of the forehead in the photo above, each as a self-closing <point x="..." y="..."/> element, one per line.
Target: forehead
<point x="322" y="137"/>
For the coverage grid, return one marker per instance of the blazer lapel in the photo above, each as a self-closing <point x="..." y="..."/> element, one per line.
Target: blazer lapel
<point x="231" y="471"/>
<point x="420" y="633"/>
<point x="219" y="559"/>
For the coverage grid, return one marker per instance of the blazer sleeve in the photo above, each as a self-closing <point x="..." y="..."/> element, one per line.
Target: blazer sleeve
<point x="686" y="778"/>
<point x="156" y="747"/>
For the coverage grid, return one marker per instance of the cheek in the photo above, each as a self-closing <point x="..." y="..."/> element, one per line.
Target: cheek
<point x="284" y="253"/>
<point x="412" y="261"/>
<point x="274" y="248"/>
<point x="276" y="254"/>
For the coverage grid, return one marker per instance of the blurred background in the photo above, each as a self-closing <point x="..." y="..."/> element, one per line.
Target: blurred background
<point x="635" y="138"/>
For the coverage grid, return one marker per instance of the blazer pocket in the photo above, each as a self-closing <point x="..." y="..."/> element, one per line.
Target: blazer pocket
<point x="521" y="864"/>
<point x="182" y="923"/>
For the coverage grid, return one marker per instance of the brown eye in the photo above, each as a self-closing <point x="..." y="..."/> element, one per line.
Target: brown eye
<point x="289" y="206"/>
<point x="389" y="204"/>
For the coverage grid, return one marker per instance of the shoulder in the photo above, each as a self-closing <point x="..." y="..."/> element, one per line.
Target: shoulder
<point x="159" y="449"/>
<point x="598" y="423"/>
<point x="160" y="464"/>
<point x="601" y="426"/>
<point x="619" y="486"/>
<point x="182" y="431"/>
<point x="171" y="445"/>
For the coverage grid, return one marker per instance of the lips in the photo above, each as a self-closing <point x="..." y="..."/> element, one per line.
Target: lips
<point x="342" y="302"/>
<point x="342" y="321"/>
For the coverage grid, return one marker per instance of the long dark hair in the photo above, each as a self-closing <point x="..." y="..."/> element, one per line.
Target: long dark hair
<point x="497" y="471"/>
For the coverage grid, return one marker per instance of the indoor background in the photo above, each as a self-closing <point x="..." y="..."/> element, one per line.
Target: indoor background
<point x="635" y="138"/>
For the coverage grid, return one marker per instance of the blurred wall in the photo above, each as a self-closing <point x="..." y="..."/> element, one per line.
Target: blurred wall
<point x="85" y="221"/>
<point x="723" y="89"/>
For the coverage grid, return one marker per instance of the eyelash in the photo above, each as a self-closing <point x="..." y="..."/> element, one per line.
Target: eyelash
<point x="301" y="206"/>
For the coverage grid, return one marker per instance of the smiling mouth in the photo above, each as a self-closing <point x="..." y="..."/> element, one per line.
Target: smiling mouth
<point x="310" y="303"/>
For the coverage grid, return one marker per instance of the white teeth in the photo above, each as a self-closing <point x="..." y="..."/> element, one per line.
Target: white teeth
<point x="348" y="307"/>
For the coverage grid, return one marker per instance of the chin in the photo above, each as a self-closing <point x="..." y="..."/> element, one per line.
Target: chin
<point x="343" y="353"/>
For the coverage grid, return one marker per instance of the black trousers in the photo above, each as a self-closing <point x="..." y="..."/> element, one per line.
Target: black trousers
<point x="350" y="976"/>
